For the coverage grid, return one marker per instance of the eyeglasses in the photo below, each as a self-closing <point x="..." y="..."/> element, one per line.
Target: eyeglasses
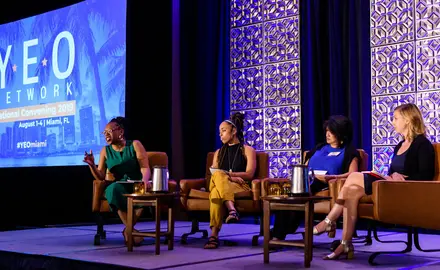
<point x="109" y="131"/>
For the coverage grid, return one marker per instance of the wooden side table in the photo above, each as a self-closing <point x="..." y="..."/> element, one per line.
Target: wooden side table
<point x="285" y="203"/>
<point x="156" y="200"/>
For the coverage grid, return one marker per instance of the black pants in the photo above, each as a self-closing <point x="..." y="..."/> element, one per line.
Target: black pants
<point x="287" y="222"/>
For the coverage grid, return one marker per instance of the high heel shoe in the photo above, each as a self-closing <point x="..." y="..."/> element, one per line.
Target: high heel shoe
<point x="137" y="240"/>
<point x="330" y="228"/>
<point x="347" y="250"/>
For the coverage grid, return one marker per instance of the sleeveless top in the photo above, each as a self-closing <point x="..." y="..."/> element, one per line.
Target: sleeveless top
<point x="123" y="165"/>
<point x="328" y="159"/>
<point x="233" y="158"/>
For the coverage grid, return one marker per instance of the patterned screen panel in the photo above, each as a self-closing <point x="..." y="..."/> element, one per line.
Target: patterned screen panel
<point x="265" y="78"/>
<point x="405" y="67"/>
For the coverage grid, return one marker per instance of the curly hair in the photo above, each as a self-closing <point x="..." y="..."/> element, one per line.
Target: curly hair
<point x="121" y="122"/>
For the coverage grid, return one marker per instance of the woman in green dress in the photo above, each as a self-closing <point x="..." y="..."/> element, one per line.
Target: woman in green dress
<point x="120" y="160"/>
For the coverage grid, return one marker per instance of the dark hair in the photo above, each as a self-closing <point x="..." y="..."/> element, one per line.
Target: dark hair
<point x="121" y="122"/>
<point x="236" y="121"/>
<point x="341" y="127"/>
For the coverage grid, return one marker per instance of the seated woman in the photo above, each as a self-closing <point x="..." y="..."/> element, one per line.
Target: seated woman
<point x="237" y="162"/>
<point x="338" y="157"/>
<point x="413" y="159"/>
<point x="120" y="160"/>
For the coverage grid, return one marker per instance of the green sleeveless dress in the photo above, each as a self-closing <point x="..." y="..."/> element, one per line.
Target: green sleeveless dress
<point x="124" y="166"/>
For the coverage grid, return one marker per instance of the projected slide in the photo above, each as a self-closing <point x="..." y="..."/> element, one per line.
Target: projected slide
<point x="62" y="78"/>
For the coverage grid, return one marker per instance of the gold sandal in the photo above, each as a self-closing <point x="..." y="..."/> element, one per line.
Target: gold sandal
<point x="347" y="250"/>
<point x="330" y="228"/>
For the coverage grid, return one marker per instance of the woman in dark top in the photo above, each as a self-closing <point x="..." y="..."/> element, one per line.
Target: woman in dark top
<point x="237" y="164"/>
<point x="337" y="157"/>
<point x="413" y="159"/>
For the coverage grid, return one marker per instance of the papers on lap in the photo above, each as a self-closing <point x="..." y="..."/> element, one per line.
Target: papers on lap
<point x="213" y="170"/>
<point x="319" y="172"/>
<point x="374" y="174"/>
<point x="129" y="181"/>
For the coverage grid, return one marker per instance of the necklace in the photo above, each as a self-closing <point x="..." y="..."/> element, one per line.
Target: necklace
<point x="233" y="161"/>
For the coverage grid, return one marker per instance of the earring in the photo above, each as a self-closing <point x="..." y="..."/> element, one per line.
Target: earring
<point x="120" y="136"/>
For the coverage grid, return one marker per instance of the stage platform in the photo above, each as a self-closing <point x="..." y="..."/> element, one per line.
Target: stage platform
<point x="72" y="248"/>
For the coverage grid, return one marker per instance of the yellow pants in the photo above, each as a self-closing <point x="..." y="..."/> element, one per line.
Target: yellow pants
<point x="221" y="190"/>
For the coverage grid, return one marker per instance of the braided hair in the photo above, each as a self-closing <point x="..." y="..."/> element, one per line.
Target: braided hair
<point x="235" y="121"/>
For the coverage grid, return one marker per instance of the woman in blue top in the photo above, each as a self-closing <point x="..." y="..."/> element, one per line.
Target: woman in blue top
<point x="337" y="157"/>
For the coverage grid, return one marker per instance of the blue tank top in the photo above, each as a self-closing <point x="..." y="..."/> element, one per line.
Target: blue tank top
<point x="323" y="159"/>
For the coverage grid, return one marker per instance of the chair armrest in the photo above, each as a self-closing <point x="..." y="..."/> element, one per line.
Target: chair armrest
<point x="98" y="192"/>
<point x="407" y="203"/>
<point x="172" y="185"/>
<point x="267" y="181"/>
<point x="256" y="189"/>
<point x="185" y="187"/>
<point x="187" y="184"/>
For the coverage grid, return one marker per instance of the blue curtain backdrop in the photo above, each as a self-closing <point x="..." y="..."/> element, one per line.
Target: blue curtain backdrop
<point x="335" y="67"/>
<point x="204" y="80"/>
<point x="335" y="73"/>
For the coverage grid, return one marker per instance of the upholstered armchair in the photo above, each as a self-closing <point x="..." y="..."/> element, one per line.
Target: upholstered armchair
<point x="410" y="204"/>
<point x="100" y="205"/>
<point x="195" y="196"/>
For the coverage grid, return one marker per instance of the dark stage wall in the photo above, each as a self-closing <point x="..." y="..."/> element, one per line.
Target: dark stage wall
<point x="54" y="195"/>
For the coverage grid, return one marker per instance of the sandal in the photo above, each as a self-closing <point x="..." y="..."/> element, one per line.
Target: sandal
<point x="233" y="217"/>
<point x="139" y="238"/>
<point x="135" y="243"/>
<point x="212" y="243"/>
<point x="328" y="226"/>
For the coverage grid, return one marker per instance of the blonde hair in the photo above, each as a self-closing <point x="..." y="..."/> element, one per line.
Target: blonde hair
<point x="416" y="126"/>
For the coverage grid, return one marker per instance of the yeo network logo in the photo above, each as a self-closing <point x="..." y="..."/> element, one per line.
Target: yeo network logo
<point x="31" y="62"/>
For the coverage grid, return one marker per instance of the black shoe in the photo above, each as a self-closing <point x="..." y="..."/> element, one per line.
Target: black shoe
<point x="273" y="234"/>
<point x="233" y="217"/>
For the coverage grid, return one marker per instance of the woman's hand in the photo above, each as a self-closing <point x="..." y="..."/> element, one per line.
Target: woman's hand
<point x="89" y="158"/>
<point x="325" y="178"/>
<point x="148" y="186"/>
<point x="397" y="176"/>
<point x="238" y="180"/>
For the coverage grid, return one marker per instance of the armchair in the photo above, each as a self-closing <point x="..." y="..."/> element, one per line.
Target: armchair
<point x="195" y="195"/>
<point x="410" y="204"/>
<point x="100" y="204"/>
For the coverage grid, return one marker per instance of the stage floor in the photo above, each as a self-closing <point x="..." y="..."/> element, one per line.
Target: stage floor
<point x="76" y="243"/>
